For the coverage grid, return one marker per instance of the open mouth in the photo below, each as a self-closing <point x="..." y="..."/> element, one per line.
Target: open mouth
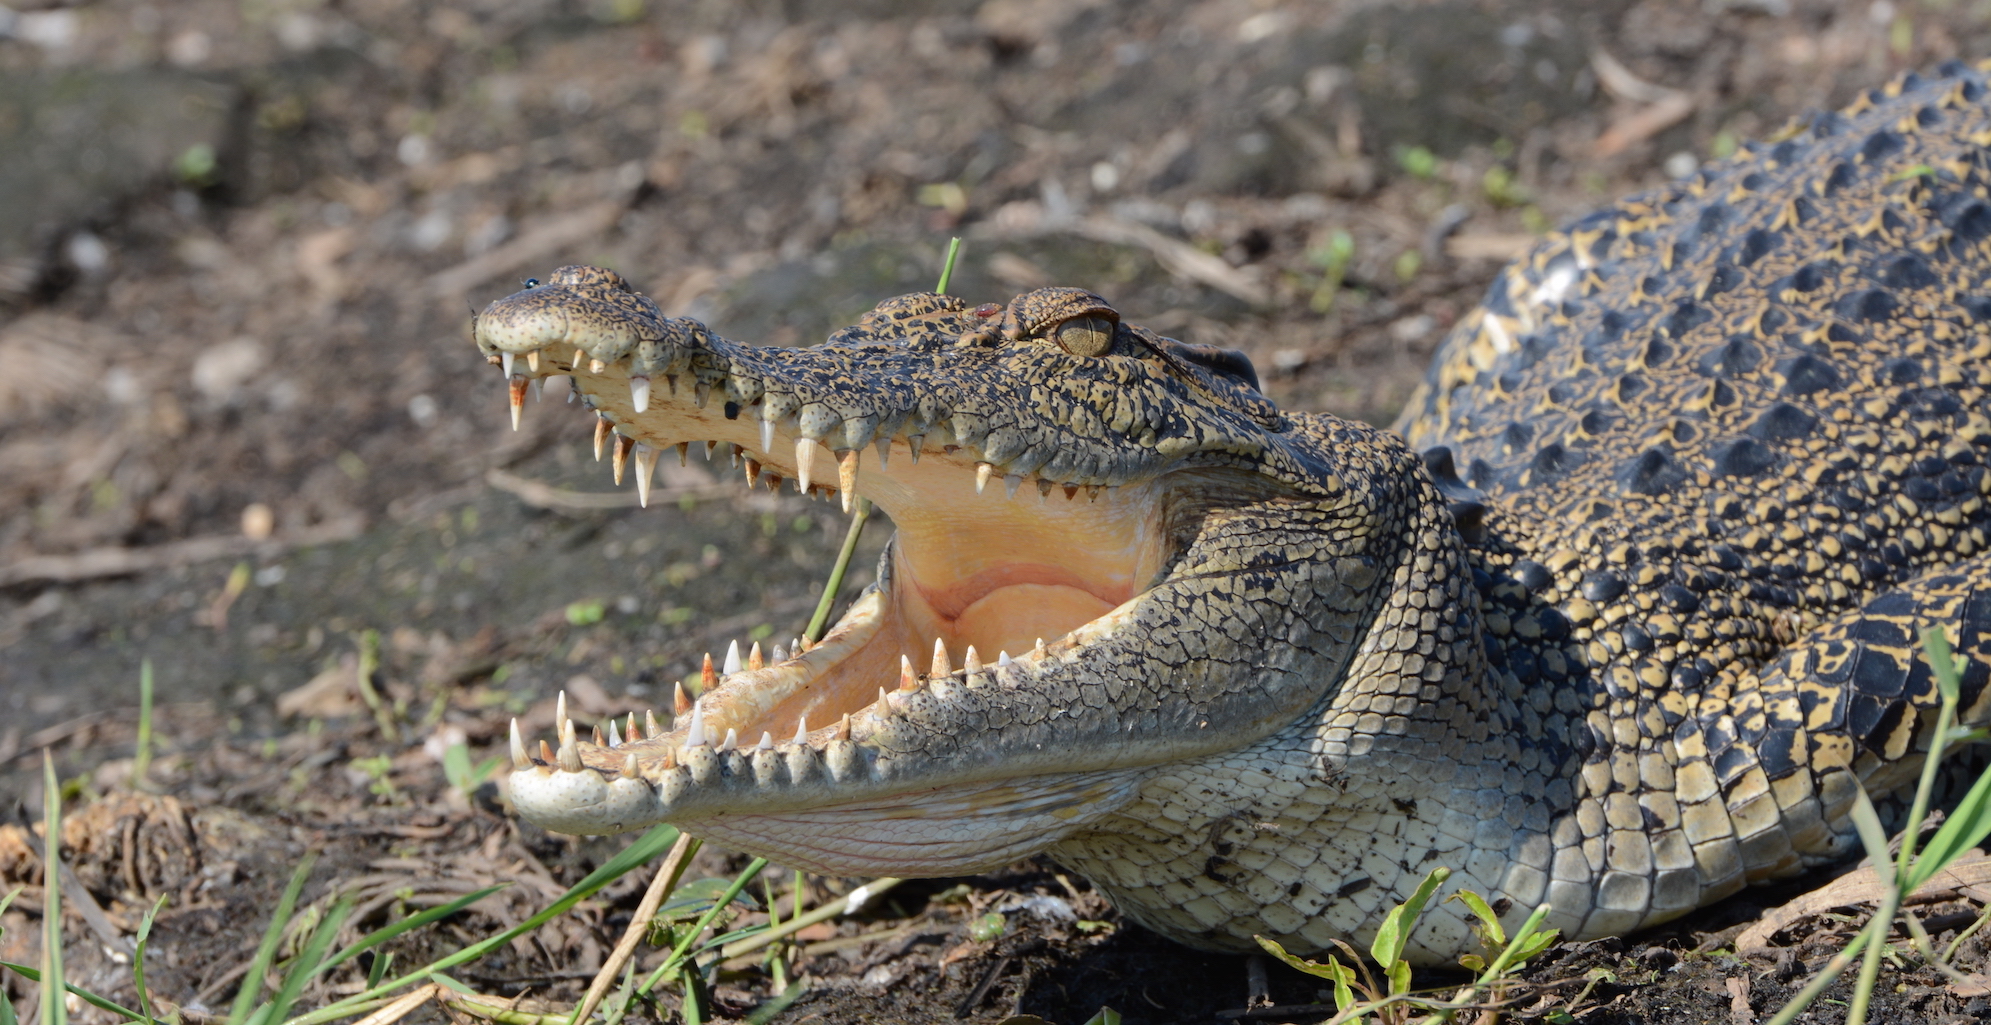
<point x="1005" y="569"/>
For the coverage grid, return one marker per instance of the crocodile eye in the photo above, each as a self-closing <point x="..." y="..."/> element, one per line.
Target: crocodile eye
<point x="1085" y="336"/>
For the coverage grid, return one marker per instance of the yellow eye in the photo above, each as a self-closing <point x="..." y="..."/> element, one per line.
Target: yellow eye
<point x="1086" y="336"/>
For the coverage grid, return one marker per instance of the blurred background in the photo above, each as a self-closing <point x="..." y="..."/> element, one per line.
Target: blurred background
<point x="241" y="423"/>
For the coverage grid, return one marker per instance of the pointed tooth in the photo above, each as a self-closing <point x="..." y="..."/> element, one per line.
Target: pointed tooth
<point x="983" y="471"/>
<point x="684" y="453"/>
<point x="602" y="429"/>
<point x="650" y="720"/>
<point x="695" y="735"/>
<point x="614" y="735"/>
<point x="532" y="361"/>
<point x="1044" y="489"/>
<point x="884" y="704"/>
<point x="1010" y="484"/>
<point x="570" y="756"/>
<point x="600" y="740"/>
<point x="754" y="658"/>
<point x="680" y="703"/>
<point x="578" y="357"/>
<point x="567" y="732"/>
<point x="505" y="361"/>
<point x="709" y="446"/>
<point x="646" y="464"/>
<point x="538" y="389"/>
<point x="516" y="393"/>
<point x="629" y="770"/>
<point x="941" y="667"/>
<point x="805" y="462"/>
<point x="732" y="659"/>
<point x="573" y="389"/>
<point x="797" y="649"/>
<point x="908" y="680"/>
<point x="971" y="663"/>
<point x="708" y="677"/>
<point x="846" y="477"/>
<point x="884" y="447"/>
<point x="639" y="393"/>
<point x="766" y="741"/>
<point x="915" y="442"/>
<point x="519" y="759"/>
<point x="802" y="729"/>
<point x="732" y="740"/>
<point x="596" y="366"/>
<point x="629" y="732"/>
<point x="767" y="436"/>
<point x="546" y="752"/>
<point x="843" y="727"/>
<point x="1071" y="492"/>
<point x="1039" y="649"/>
<point x="624" y="444"/>
<point x="560" y="713"/>
<point x="1002" y="658"/>
<point x="670" y="759"/>
<point x="752" y="466"/>
<point x="778" y="655"/>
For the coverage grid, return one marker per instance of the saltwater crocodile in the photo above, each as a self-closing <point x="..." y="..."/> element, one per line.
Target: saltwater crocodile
<point x="1620" y="629"/>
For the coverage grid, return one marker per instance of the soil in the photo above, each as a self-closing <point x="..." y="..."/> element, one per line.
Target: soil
<point x="243" y="434"/>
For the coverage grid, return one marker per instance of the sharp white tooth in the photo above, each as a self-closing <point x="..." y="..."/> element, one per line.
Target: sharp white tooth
<point x="1009" y="485"/>
<point x="1039" y="649"/>
<point x="650" y="724"/>
<point x="639" y="393"/>
<point x="971" y="663"/>
<point x="846" y="476"/>
<point x="578" y="357"/>
<point x="755" y="659"/>
<point x="573" y="389"/>
<point x="1002" y="658"/>
<point x="884" y="447"/>
<point x="684" y="453"/>
<point x="680" y="702"/>
<point x="614" y="737"/>
<point x="802" y="729"/>
<point x="780" y="654"/>
<point x="766" y="741"/>
<point x="600" y="741"/>
<point x="709" y="446"/>
<point x="914" y="442"/>
<point x="629" y="769"/>
<point x="732" y="659"/>
<point x="602" y="430"/>
<point x="519" y="759"/>
<point x="732" y="740"/>
<point x="629" y="731"/>
<point x="596" y="366"/>
<point x="708" y="677"/>
<point x="539" y="389"/>
<point x="515" y="394"/>
<point x="767" y="436"/>
<point x="908" y="680"/>
<point x="570" y="756"/>
<point x="805" y="463"/>
<point x="560" y="713"/>
<point x="695" y="734"/>
<point x="941" y="667"/>
<point x="505" y="361"/>
<point x="884" y="704"/>
<point x="646" y="464"/>
<point x="982" y="473"/>
<point x="532" y="361"/>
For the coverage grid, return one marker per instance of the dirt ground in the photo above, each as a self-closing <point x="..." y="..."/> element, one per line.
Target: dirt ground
<point x="241" y="425"/>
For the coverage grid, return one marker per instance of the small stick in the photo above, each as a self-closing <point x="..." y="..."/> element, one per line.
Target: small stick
<point x="660" y="887"/>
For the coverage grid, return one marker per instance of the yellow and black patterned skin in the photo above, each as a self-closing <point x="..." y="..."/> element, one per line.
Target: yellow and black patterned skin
<point x="1621" y="629"/>
<point x="1730" y="443"/>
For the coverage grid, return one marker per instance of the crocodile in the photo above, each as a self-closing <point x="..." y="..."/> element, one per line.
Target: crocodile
<point x="1620" y="618"/>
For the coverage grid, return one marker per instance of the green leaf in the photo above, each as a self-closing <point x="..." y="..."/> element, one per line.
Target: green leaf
<point x="259" y="967"/>
<point x="1106" y="1016"/>
<point x="7" y="1015"/>
<point x="34" y="975"/>
<point x="1399" y="976"/>
<point x="1396" y="927"/>
<point x="414" y="921"/>
<point x="305" y="964"/>
<point x="1301" y="964"/>
<point x="138" y="955"/>
<point x="1493" y="936"/>
<point x="1966" y="827"/>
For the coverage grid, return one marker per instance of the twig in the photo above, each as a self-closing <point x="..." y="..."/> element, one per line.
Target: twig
<point x="803" y="921"/>
<point x="115" y="562"/>
<point x="639" y="926"/>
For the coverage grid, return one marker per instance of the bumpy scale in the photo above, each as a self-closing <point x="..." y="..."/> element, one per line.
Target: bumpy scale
<point x="1625" y="637"/>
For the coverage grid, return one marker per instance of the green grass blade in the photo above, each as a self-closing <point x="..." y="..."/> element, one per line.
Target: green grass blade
<point x="378" y="970"/>
<point x="7" y="1015"/>
<point x="54" y="1009"/>
<point x="414" y="921"/>
<point x="138" y="956"/>
<point x="8" y="900"/>
<point x="678" y="952"/>
<point x="307" y="961"/>
<point x="947" y="269"/>
<point x="1396" y="927"/>
<point x="141" y="760"/>
<point x="259" y="967"/>
<point x="34" y="975"/>
<point x="1872" y="836"/>
<point x="1106" y="1016"/>
<point x="819" y="623"/>
<point x="646" y="847"/>
<point x="1966" y="827"/>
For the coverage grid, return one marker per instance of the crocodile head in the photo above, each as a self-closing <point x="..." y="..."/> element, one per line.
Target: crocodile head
<point x="1114" y="555"/>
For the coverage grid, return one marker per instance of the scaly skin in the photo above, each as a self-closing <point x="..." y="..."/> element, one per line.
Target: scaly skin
<point x="1627" y="635"/>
